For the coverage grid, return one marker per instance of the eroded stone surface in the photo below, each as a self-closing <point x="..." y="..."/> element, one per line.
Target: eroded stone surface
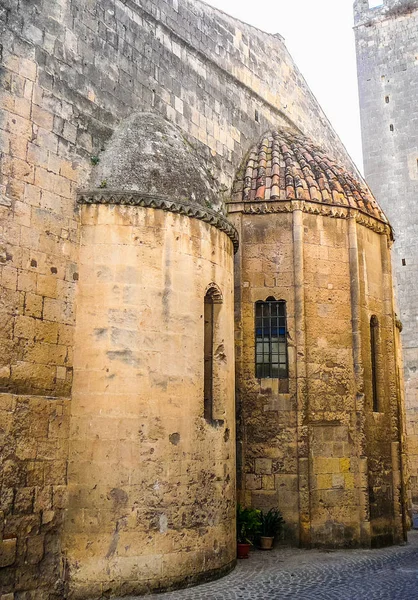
<point x="148" y="507"/>
<point x="149" y="154"/>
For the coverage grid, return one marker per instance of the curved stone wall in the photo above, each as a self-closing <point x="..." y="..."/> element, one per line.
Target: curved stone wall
<point x="151" y="481"/>
<point x="312" y="444"/>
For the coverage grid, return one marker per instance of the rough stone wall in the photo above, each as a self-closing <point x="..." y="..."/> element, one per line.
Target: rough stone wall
<point x="279" y="431"/>
<point x="316" y="450"/>
<point x="335" y="513"/>
<point x="387" y="51"/>
<point x="267" y="411"/>
<point x="33" y="476"/>
<point x="330" y="382"/>
<point x="72" y="70"/>
<point x="382" y="426"/>
<point x="151" y="482"/>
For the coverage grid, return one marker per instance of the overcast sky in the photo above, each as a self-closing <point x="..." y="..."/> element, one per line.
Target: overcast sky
<point x="319" y="36"/>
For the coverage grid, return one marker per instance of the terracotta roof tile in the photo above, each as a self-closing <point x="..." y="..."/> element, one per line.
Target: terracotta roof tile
<point x="285" y="166"/>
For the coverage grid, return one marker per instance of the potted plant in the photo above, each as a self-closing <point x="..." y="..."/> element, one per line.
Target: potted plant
<point x="248" y="526"/>
<point x="271" y="525"/>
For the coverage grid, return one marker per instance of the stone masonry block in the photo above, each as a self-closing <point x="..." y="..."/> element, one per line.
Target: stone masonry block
<point x="265" y="500"/>
<point x="263" y="466"/>
<point x="24" y="500"/>
<point x="33" y="305"/>
<point x="35" y="549"/>
<point x="345" y="464"/>
<point x="7" y="552"/>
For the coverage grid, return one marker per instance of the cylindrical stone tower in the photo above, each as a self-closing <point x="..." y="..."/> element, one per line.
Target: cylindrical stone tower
<point x="151" y="471"/>
<point x="318" y="404"/>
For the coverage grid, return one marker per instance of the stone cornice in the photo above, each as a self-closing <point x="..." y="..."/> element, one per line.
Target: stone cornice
<point x="182" y="207"/>
<point x="316" y="208"/>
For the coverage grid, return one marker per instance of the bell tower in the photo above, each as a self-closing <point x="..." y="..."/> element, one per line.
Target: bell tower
<point x="387" y="58"/>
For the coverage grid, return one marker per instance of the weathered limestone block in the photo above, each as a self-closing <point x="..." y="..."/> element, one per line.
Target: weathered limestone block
<point x="7" y="552"/>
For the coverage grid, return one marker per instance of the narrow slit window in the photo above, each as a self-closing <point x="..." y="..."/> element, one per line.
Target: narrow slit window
<point x="213" y="298"/>
<point x="271" y="339"/>
<point x="374" y="347"/>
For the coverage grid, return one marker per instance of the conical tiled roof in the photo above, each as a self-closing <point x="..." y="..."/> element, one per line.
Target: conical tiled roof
<point x="285" y="166"/>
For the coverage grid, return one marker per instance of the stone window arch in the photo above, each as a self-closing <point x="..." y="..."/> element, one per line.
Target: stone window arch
<point x="212" y="304"/>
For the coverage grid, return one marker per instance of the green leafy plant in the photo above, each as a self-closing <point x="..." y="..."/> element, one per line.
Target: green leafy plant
<point x="248" y="524"/>
<point x="103" y="184"/>
<point x="271" y="523"/>
<point x="94" y="160"/>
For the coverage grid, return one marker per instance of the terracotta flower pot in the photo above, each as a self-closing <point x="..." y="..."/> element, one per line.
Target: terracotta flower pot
<point x="243" y="550"/>
<point x="266" y="543"/>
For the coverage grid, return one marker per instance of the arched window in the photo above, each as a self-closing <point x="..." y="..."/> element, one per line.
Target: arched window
<point x="374" y="349"/>
<point x="271" y="339"/>
<point x="213" y="298"/>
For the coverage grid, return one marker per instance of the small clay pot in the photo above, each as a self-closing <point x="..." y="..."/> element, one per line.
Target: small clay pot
<point x="266" y="543"/>
<point x="243" y="550"/>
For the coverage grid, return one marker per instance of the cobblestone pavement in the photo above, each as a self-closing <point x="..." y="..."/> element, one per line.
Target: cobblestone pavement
<point x="386" y="574"/>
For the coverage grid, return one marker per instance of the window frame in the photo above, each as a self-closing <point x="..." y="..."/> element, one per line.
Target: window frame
<point x="264" y="313"/>
<point x="374" y="359"/>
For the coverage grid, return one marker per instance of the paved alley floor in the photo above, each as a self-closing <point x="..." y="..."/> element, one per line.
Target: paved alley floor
<point x="386" y="574"/>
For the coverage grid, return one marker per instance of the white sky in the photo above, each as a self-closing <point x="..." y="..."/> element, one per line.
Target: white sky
<point x="320" y="38"/>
